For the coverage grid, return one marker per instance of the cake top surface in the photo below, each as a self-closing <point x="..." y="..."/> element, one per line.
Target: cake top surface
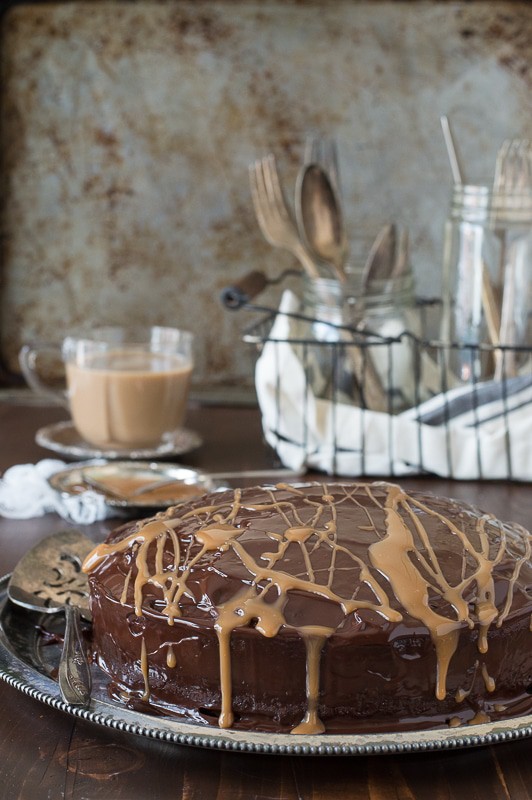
<point x="351" y="548"/>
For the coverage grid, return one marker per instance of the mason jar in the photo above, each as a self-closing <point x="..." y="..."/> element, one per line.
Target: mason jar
<point x="487" y="287"/>
<point x="365" y="340"/>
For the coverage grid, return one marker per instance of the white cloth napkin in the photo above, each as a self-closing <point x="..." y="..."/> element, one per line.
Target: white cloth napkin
<point x="470" y="432"/>
<point x="25" y="493"/>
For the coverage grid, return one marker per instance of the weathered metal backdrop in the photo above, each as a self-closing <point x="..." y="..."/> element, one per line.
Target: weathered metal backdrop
<point x="127" y="129"/>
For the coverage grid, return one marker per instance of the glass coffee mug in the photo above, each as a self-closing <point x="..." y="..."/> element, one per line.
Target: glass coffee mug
<point x="126" y="388"/>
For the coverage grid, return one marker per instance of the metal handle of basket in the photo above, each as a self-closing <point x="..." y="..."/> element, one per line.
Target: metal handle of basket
<point x="244" y="290"/>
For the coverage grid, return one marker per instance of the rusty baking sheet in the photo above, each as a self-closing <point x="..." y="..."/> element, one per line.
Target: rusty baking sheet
<point x="127" y="130"/>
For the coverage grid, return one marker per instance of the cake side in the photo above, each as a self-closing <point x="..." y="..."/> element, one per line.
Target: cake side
<point x="351" y="607"/>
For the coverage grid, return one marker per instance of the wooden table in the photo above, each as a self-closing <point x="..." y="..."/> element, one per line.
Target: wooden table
<point x="45" y="753"/>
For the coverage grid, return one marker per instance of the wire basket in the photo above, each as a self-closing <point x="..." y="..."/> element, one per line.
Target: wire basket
<point x="431" y="423"/>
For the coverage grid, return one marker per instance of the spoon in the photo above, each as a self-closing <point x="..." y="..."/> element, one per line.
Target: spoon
<point x="319" y="216"/>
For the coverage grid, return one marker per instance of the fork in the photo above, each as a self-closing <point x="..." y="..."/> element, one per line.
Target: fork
<point x="513" y="167"/>
<point x="273" y="214"/>
<point x="513" y="176"/>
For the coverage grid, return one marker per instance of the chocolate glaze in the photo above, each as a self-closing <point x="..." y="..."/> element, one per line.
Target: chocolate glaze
<point x="336" y="607"/>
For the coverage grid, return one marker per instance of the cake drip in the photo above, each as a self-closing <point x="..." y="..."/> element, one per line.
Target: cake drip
<point x="402" y="574"/>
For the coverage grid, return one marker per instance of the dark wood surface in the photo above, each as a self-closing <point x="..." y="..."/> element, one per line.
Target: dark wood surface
<point x="47" y="754"/>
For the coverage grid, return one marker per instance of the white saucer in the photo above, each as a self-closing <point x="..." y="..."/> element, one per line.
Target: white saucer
<point x="62" y="437"/>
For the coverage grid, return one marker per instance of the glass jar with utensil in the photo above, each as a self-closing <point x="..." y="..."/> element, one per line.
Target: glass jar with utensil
<point x="487" y="281"/>
<point x="372" y="330"/>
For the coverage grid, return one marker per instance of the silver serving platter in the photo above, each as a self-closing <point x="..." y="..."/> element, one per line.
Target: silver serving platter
<point x="28" y="668"/>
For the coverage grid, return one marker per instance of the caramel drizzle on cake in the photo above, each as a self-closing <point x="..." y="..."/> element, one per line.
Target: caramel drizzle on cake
<point x="397" y="567"/>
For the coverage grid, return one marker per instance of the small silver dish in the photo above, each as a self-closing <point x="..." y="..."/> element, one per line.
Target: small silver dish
<point x="133" y="484"/>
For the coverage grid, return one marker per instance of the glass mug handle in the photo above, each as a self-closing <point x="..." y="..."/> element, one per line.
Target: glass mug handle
<point x="28" y="360"/>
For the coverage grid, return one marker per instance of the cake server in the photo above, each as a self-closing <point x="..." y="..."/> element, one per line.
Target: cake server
<point x="49" y="579"/>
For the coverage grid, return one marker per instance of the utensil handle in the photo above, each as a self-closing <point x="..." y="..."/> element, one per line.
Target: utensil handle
<point x="491" y="308"/>
<point x="244" y="290"/>
<point x="75" y="682"/>
<point x="374" y="395"/>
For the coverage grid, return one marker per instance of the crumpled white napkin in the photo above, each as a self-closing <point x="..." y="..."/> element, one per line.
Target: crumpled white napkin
<point x="25" y="493"/>
<point x="470" y="432"/>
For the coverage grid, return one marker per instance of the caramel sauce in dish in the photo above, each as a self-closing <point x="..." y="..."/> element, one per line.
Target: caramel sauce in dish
<point x="328" y="565"/>
<point x="145" y="490"/>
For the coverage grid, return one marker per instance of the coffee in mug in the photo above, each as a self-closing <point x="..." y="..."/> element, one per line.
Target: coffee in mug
<point x="125" y="388"/>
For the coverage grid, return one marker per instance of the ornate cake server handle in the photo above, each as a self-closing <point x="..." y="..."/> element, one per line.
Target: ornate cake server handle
<point x="75" y="681"/>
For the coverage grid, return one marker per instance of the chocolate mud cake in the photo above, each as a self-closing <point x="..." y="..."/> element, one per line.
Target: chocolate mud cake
<point x="322" y="607"/>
